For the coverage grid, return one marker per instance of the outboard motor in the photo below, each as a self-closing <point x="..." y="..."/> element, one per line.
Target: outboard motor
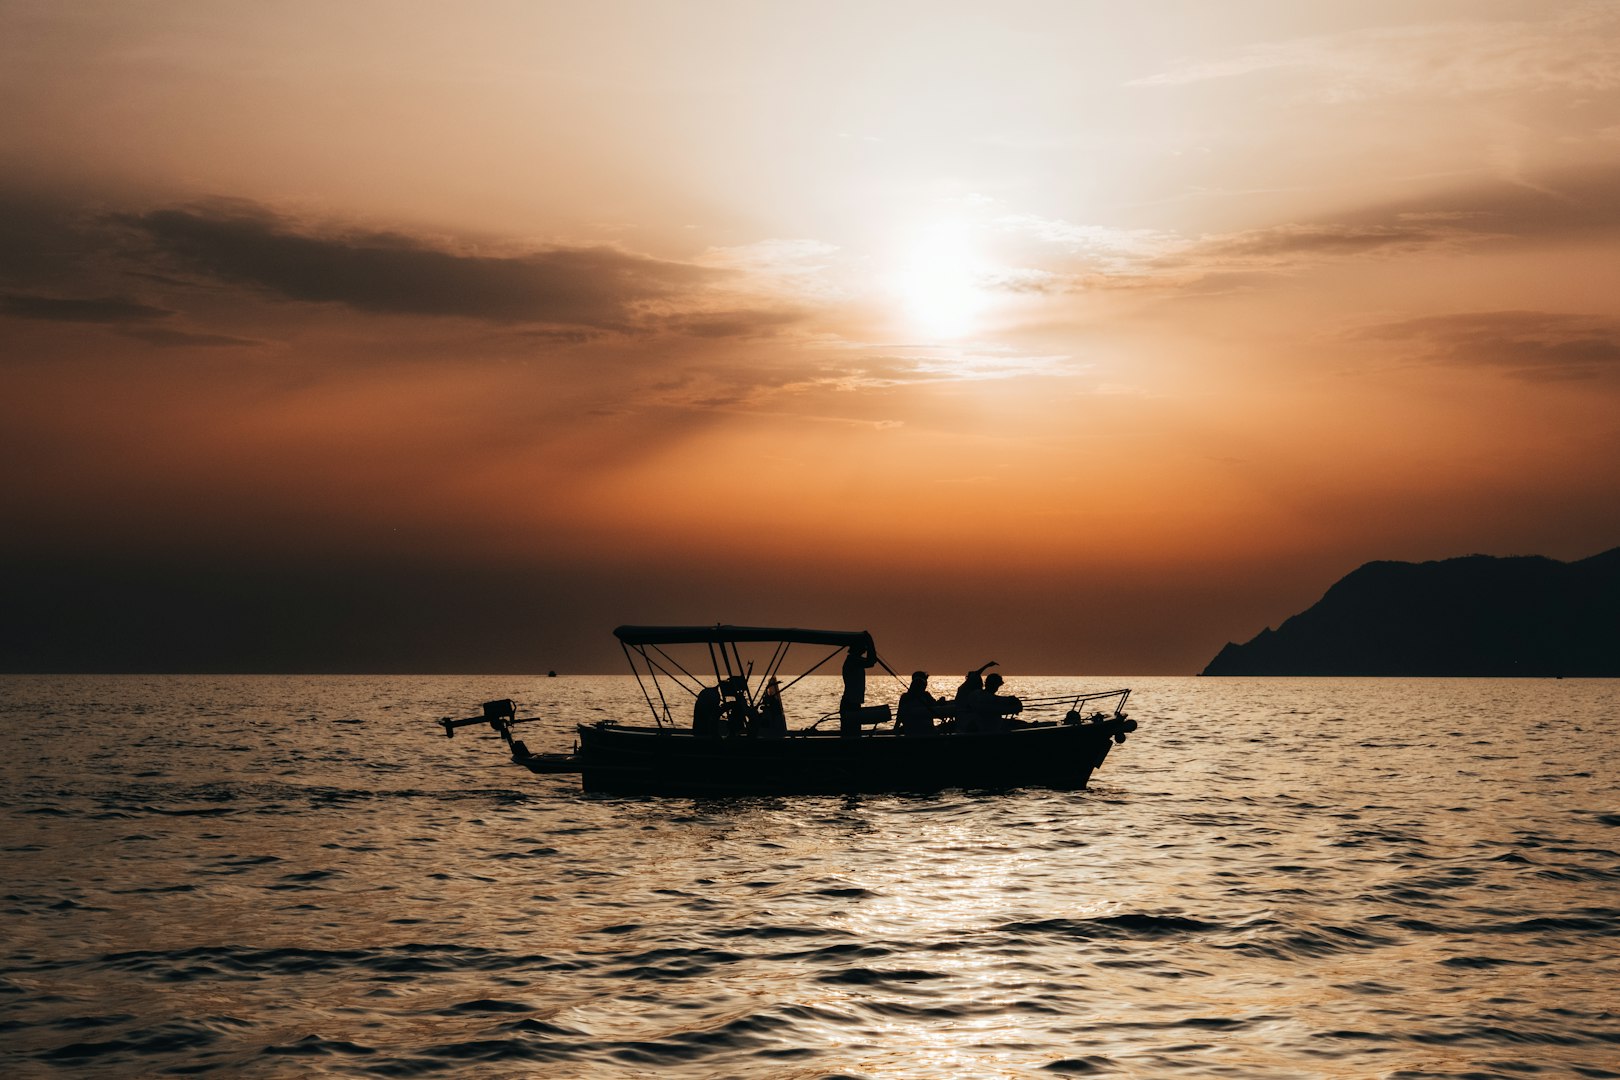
<point x="499" y="713"/>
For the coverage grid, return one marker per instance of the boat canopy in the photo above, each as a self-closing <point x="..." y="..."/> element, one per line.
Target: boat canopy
<point x="721" y="634"/>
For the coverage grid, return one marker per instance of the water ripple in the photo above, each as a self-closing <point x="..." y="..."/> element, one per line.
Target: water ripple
<point x="1274" y="879"/>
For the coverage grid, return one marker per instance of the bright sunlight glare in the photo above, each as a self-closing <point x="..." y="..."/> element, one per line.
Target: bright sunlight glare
<point x="938" y="282"/>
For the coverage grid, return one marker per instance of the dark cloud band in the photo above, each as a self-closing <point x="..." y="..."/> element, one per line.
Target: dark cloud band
<point x="389" y="273"/>
<point x="105" y="309"/>
<point x="1537" y="346"/>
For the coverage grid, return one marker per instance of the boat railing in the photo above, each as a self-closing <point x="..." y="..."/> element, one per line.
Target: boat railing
<point x="1076" y="702"/>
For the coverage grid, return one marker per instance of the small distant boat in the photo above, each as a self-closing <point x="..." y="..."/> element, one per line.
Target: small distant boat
<point x="732" y="739"/>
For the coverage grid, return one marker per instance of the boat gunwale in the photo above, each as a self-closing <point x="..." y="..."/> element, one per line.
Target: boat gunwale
<point x="667" y="731"/>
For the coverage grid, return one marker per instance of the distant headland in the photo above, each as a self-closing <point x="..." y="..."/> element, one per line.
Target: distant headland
<point x="1472" y="616"/>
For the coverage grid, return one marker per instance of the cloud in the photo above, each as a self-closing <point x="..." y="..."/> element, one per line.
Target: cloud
<point x="1558" y="204"/>
<point x="131" y="318"/>
<point x="1576" y="50"/>
<point x="555" y="336"/>
<point x="1536" y="346"/>
<point x="187" y="339"/>
<point x="230" y="254"/>
<point x="776" y="255"/>
<point x="1101" y="245"/>
<point x="105" y="309"/>
<point x="391" y="273"/>
<point x="45" y="240"/>
<point x="860" y="367"/>
<point x="1294" y="242"/>
<point x="1227" y="260"/>
<point x="1025" y="279"/>
<point x="777" y="274"/>
<point x="745" y="323"/>
<point x="1576" y="204"/>
<point x="1050" y="256"/>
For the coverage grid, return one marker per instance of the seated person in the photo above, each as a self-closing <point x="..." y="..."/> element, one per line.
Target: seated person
<point x="972" y="686"/>
<point x="706" y="713"/>
<point x="989" y="711"/>
<point x="915" y="715"/>
<point x="739" y="715"/>
<point x="772" y="722"/>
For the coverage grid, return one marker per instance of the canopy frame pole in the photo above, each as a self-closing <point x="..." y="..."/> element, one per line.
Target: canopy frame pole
<point x="890" y="670"/>
<point x="674" y="663"/>
<point x="657" y="719"/>
<point x="654" y="667"/>
<point x="818" y="663"/>
<point x="775" y="665"/>
<point x="745" y="671"/>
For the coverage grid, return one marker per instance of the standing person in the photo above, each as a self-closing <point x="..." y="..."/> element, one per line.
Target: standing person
<point x="860" y="658"/>
<point x="915" y="715"/>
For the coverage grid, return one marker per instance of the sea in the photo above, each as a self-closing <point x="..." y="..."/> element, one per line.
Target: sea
<point x="290" y="876"/>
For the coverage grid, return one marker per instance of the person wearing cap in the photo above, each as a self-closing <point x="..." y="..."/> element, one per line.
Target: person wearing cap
<point x="772" y="723"/>
<point x="915" y="714"/>
<point x="993" y="711"/>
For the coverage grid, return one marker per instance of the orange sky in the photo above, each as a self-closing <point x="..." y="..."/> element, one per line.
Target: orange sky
<point x="367" y="336"/>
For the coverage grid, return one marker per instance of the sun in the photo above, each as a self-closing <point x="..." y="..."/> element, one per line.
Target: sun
<point x="939" y="282"/>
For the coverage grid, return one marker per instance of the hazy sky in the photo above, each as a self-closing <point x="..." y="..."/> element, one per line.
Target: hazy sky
<point x="1084" y="335"/>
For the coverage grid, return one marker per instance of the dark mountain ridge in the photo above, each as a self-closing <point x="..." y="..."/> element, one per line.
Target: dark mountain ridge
<point x="1478" y="615"/>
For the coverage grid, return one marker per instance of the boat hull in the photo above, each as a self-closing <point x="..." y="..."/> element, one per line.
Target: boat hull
<point x="620" y="759"/>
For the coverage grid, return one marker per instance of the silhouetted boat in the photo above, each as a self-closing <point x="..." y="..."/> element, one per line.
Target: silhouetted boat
<point x="1060" y="747"/>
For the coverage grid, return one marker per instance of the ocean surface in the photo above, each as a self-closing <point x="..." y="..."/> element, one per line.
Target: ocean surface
<point x="291" y="876"/>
